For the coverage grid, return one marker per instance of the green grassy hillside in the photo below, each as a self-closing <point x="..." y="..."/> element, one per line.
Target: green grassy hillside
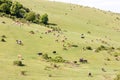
<point x="99" y="28"/>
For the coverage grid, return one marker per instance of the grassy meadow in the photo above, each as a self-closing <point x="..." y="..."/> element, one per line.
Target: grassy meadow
<point x="99" y="28"/>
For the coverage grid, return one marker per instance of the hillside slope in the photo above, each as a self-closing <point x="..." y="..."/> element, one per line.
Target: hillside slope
<point x="98" y="27"/>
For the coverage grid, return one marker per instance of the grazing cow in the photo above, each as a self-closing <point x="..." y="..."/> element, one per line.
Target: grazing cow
<point x="23" y="73"/>
<point x="75" y="62"/>
<point x="49" y="31"/>
<point x="39" y="53"/>
<point x="83" y="61"/>
<point x="19" y="42"/>
<point x="3" y="40"/>
<point x="54" y="52"/>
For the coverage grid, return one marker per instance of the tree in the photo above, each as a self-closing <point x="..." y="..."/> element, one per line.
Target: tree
<point x="15" y="8"/>
<point x="22" y="13"/>
<point x="5" y="6"/>
<point x="44" y="19"/>
<point x="30" y="16"/>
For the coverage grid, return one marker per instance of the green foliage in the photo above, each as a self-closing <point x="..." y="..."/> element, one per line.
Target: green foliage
<point x="45" y="56"/>
<point x="100" y="48"/>
<point x="44" y="19"/>
<point x="15" y="8"/>
<point x="30" y="16"/>
<point x="58" y="59"/>
<point x="5" y="6"/>
<point x="74" y="45"/>
<point x="18" y="63"/>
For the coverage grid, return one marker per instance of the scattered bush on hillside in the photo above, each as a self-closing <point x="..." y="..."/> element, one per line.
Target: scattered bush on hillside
<point x="44" y="19"/>
<point x="101" y="48"/>
<point x="89" y="48"/>
<point x="118" y="48"/>
<point x="30" y="16"/>
<point x="45" y="56"/>
<point x="3" y="36"/>
<point x="89" y="32"/>
<point x="55" y="28"/>
<point x="57" y="59"/>
<point x="18" y="63"/>
<point x="117" y="18"/>
<point x="111" y="49"/>
<point x="32" y="32"/>
<point x="74" y="45"/>
<point x="116" y="54"/>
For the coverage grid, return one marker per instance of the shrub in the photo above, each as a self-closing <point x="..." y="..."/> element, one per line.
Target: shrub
<point x="44" y="19"/>
<point x="100" y="48"/>
<point x="89" y="48"/>
<point x="58" y="59"/>
<point x="45" y="56"/>
<point x="3" y="36"/>
<point x="74" y="45"/>
<point x="18" y="63"/>
<point x="30" y="16"/>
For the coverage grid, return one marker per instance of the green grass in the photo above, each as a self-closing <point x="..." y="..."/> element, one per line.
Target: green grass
<point x="78" y="21"/>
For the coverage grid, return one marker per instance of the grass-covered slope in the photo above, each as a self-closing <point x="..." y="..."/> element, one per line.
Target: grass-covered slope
<point x="74" y="20"/>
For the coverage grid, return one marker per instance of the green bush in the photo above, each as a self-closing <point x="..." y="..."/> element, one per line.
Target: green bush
<point x="30" y="16"/>
<point x="44" y="19"/>
<point x="45" y="56"/>
<point x="74" y="45"/>
<point x="89" y="48"/>
<point x="58" y="59"/>
<point x="18" y="63"/>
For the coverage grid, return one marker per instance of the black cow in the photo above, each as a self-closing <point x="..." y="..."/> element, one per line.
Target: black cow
<point x="39" y="53"/>
<point x="83" y="60"/>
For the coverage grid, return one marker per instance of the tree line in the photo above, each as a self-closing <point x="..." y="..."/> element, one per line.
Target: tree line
<point x="17" y="10"/>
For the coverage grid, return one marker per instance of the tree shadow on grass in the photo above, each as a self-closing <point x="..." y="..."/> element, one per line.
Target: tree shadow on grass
<point x="53" y="24"/>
